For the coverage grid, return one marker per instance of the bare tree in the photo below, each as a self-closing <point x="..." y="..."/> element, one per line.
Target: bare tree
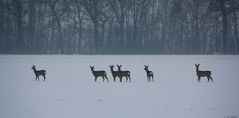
<point x="19" y="48"/>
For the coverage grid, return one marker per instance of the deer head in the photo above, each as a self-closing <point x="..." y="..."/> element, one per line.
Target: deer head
<point x="197" y="66"/>
<point x="92" y="67"/>
<point x="146" y="67"/>
<point x="119" y="67"/>
<point x="33" y="67"/>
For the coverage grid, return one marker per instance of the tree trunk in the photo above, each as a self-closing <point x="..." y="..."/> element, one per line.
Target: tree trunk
<point x="224" y="27"/>
<point x="236" y="32"/>
<point x="1" y="27"/>
<point x="20" y="41"/>
<point x="32" y="26"/>
<point x="79" y="40"/>
<point x="79" y="29"/>
<point x="60" y="41"/>
<point x="122" y="21"/>
<point x="196" y="45"/>
<point x="96" y="35"/>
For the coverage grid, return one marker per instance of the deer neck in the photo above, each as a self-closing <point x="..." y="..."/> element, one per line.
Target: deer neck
<point x="197" y="69"/>
<point x="112" y="70"/>
<point x="35" y="71"/>
<point x="92" y="71"/>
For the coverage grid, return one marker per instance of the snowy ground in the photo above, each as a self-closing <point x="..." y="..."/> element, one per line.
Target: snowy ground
<point x="70" y="91"/>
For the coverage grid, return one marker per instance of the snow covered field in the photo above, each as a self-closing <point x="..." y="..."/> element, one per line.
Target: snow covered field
<point x="70" y="91"/>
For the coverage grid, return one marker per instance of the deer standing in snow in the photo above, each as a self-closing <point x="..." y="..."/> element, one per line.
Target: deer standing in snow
<point x="203" y="73"/>
<point x="125" y="74"/>
<point x="100" y="73"/>
<point x="39" y="73"/>
<point x="115" y="73"/>
<point x="150" y="74"/>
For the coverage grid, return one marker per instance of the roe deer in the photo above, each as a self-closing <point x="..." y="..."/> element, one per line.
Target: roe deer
<point x="115" y="73"/>
<point x="100" y="73"/>
<point x="149" y="73"/>
<point x="39" y="73"/>
<point x="203" y="73"/>
<point x="125" y="74"/>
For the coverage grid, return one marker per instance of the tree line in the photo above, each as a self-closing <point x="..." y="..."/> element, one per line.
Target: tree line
<point x="119" y="26"/>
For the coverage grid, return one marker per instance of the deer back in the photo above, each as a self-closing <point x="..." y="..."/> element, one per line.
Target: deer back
<point x="203" y="73"/>
<point x="40" y="72"/>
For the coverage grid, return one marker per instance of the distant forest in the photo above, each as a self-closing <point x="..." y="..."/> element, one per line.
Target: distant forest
<point x="119" y="26"/>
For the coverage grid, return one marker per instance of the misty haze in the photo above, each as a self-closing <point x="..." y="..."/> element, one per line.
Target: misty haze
<point x="119" y="26"/>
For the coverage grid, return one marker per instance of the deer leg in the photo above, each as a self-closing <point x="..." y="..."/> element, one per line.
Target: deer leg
<point x="149" y="79"/>
<point x="95" y="79"/>
<point x="44" y="77"/>
<point x="129" y="79"/>
<point x="36" y="78"/>
<point x="208" y="78"/>
<point x="153" y="78"/>
<point x="211" y="78"/>
<point x="114" y="78"/>
<point x="107" y="78"/>
<point x="103" y="78"/>
<point x="199" y="78"/>
<point x="126" y="78"/>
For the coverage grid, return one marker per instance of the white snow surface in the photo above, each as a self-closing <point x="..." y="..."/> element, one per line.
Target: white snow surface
<point x="70" y="91"/>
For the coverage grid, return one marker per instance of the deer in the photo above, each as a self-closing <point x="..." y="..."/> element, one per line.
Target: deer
<point x="39" y="73"/>
<point x="100" y="73"/>
<point x="125" y="74"/>
<point x="203" y="73"/>
<point x="150" y="74"/>
<point x="115" y="73"/>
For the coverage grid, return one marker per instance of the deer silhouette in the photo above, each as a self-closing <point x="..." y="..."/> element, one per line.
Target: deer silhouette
<point x="100" y="73"/>
<point x="125" y="74"/>
<point x="39" y="73"/>
<point x="115" y="73"/>
<point x="203" y="73"/>
<point x="150" y="74"/>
